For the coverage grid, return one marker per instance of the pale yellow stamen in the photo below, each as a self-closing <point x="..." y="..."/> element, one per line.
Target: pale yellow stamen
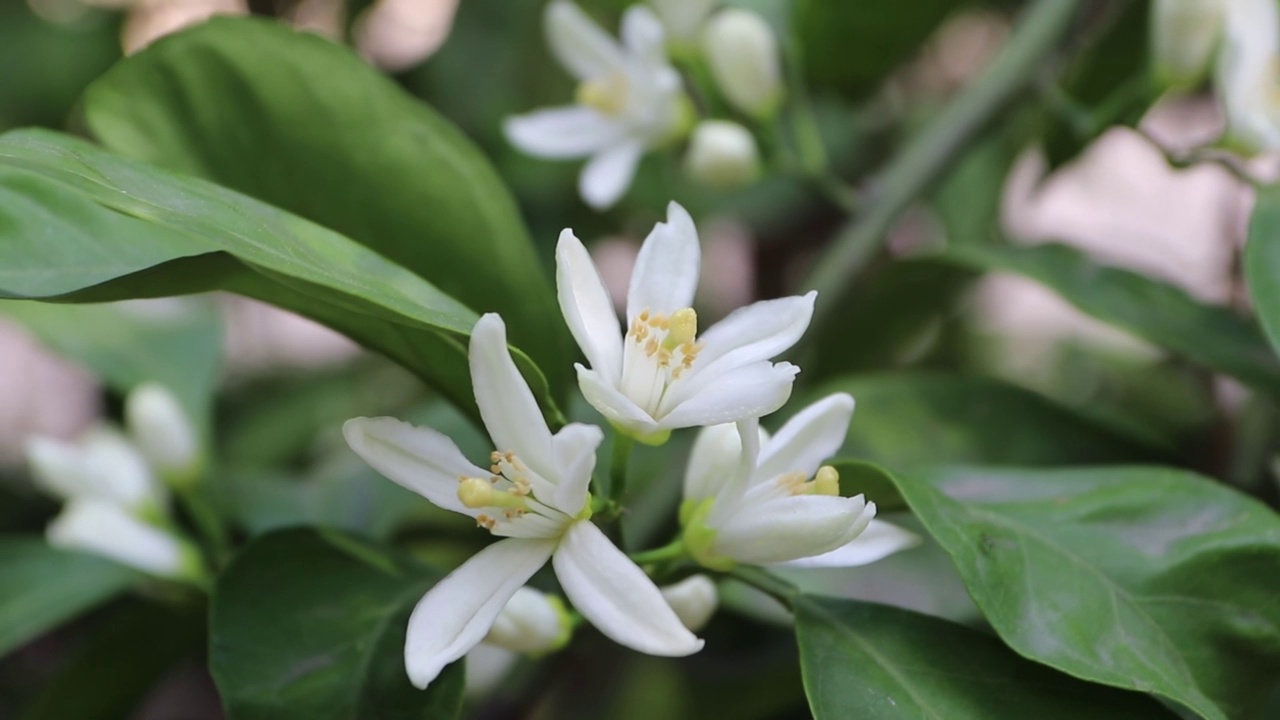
<point x="827" y="481"/>
<point x="684" y="327"/>
<point x="607" y="95"/>
<point x="479" y="493"/>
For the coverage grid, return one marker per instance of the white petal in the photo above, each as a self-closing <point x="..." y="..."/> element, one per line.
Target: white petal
<point x="457" y="613"/>
<point x="643" y="35"/>
<point x="58" y="468"/>
<point x="561" y="133"/>
<point x="106" y="529"/>
<point x="617" y="597"/>
<point x="507" y="405"/>
<point x="575" y="448"/>
<point x="610" y="402"/>
<point x="119" y="471"/>
<point x="419" y="459"/>
<point x="587" y="308"/>
<point x="751" y="391"/>
<point x="694" y="599"/>
<point x="813" y="435"/>
<point x="713" y="461"/>
<point x="791" y="528"/>
<point x="608" y="174"/>
<point x="665" y="277"/>
<point x="581" y="46"/>
<point x="878" y="541"/>
<point x="759" y="331"/>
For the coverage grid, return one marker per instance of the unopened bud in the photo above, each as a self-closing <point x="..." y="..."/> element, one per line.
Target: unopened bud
<point x="694" y="600"/>
<point x="104" y="465"/>
<point x="1184" y="36"/>
<point x="743" y="53"/>
<point x="105" y="529"/>
<point x="164" y="434"/>
<point x="722" y="154"/>
<point x="532" y="623"/>
<point x="683" y="18"/>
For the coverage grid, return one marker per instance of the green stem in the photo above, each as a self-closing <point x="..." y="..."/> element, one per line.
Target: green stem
<point x="619" y="461"/>
<point x="933" y="151"/>
<point x="767" y="583"/>
<point x="208" y="522"/>
<point x="671" y="551"/>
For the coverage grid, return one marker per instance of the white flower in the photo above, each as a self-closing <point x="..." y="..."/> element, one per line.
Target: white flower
<point x="743" y="53"/>
<point x="1184" y="36"/>
<point x="1247" y="75"/>
<point x="683" y="18"/>
<point x="661" y="375"/>
<point x="534" y="494"/>
<point x="103" y="465"/>
<point x="722" y="154"/>
<point x="532" y="623"/>
<point x="694" y="599"/>
<point x="629" y="100"/>
<point x="163" y="432"/>
<point x="107" y="529"/>
<point x="758" y="500"/>
<point x="486" y="666"/>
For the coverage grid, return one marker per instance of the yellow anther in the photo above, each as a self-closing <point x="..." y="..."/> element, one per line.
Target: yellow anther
<point x="607" y="95"/>
<point x="827" y="481"/>
<point x="684" y="327"/>
<point x="486" y="522"/>
<point x="651" y="347"/>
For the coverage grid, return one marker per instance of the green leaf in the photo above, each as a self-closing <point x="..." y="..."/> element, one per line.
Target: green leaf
<point x="310" y="624"/>
<point x="863" y="660"/>
<point x="126" y="345"/>
<point x="1214" y="337"/>
<point x="912" y="419"/>
<point x="1262" y="261"/>
<point x="306" y="125"/>
<point x="79" y="224"/>
<point x="41" y="587"/>
<point x="1149" y="579"/>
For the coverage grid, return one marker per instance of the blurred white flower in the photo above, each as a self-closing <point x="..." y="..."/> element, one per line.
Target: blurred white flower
<point x="1184" y="37"/>
<point x="486" y="666"/>
<point x="534" y="494"/>
<point x="43" y="393"/>
<point x="397" y="34"/>
<point x="107" y="529"/>
<point x="683" y="18"/>
<point x="629" y="100"/>
<point x="743" y="53"/>
<point x="722" y="154"/>
<point x="532" y="623"/>
<point x="694" y="599"/>
<point x="660" y="376"/>
<point x="750" y="498"/>
<point x="163" y="433"/>
<point x="103" y="465"/>
<point x="1248" y="75"/>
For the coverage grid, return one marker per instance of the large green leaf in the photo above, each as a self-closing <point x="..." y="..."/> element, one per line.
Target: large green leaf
<point x="79" y="224"/>
<point x="310" y="624"/>
<point x="1149" y="579"/>
<point x="41" y="587"/>
<point x="910" y="419"/>
<point x="1262" y="261"/>
<point x="1215" y="337"/>
<point x="863" y="660"/>
<point x="306" y="125"/>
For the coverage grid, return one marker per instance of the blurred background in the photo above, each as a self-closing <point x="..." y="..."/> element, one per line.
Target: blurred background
<point x="1112" y="189"/>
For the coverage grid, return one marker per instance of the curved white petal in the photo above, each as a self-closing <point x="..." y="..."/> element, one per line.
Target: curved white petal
<point x="878" y="541"/>
<point x="759" y="331"/>
<point x="813" y="435"/>
<point x="1247" y="76"/>
<point x="713" y="461"/>
<point x="419" y="459"/>
<point x="608" y="173"/>
<point x="616" y="596"/>
<point x="643" y="35"/>
<point x="575" y="448"/>
<point x="587" y="308"/>
<point x="106" y="529"/>
<point x="457" y="613"/>
<point x="506" y="403"/>
<point x="58" y="468"/>
<point x="694" y="599"/>
<point x="610" y="402"/>
<point x="665" y="277"/>
<point x="581" y="46"/>
<point x="791" y="528"/>
<point x="562" y="133"/>
<point x="751" y="391"/>
<point x="119" y="470"/>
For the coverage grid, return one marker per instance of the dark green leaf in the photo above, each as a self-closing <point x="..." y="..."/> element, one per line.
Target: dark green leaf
<point x="41" y="587"/>
<point x="1149" y="579"/>
<point x="310" y="624"/>
<point x="862" y="660"/>
<point x="306" y="125"/>
<point x="1262" y="261"/>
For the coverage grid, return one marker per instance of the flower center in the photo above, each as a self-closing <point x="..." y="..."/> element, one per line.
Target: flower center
<point x="606" y="95"/>
<point x="659" y="349"/>
<point x="825" y="482"/>
<point x="509" y="493"/>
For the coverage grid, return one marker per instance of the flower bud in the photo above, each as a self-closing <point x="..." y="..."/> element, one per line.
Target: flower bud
<point x="1184" y="36"/>
<point x="743" y="53"/>
<point x="104" y="465"/>
<point x="532" y="623"/>
<point x="164" y="433"/>
<point x="694" y="600"/>
<point x="105" y="529"/>
<point x="683" y="18"/>
<point x="722" y="154"/>
<point x="1247" y="74"/>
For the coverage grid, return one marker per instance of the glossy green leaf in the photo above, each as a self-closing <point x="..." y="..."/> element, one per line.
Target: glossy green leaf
<point x="306" y="125"/>
<point x="1160" y="313"/>
<point x="863" y="660"/>
<point x="40" y="587"/>
<point x="125" y="230"/>
<point x="912" y="419"/>
<point x="1262" y="261"/>
<point x="310" y="624"/>
<point x="1144" y="578"/>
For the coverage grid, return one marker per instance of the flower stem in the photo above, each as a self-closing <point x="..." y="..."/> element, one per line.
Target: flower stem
<point x="767" y="583"/>
<point x="619" y="461"/>
<point x="208" y="522"/>
<point x="671" y="551"/>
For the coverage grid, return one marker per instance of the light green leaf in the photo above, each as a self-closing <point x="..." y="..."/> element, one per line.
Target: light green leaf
<point x="1262" y="261"/>
<point x="310" y="624"/>
<point x="41" y="587"/>
<point x="863" y="660"/>
<point x="1150" y="579"/>
<point x="306" y="125"/>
